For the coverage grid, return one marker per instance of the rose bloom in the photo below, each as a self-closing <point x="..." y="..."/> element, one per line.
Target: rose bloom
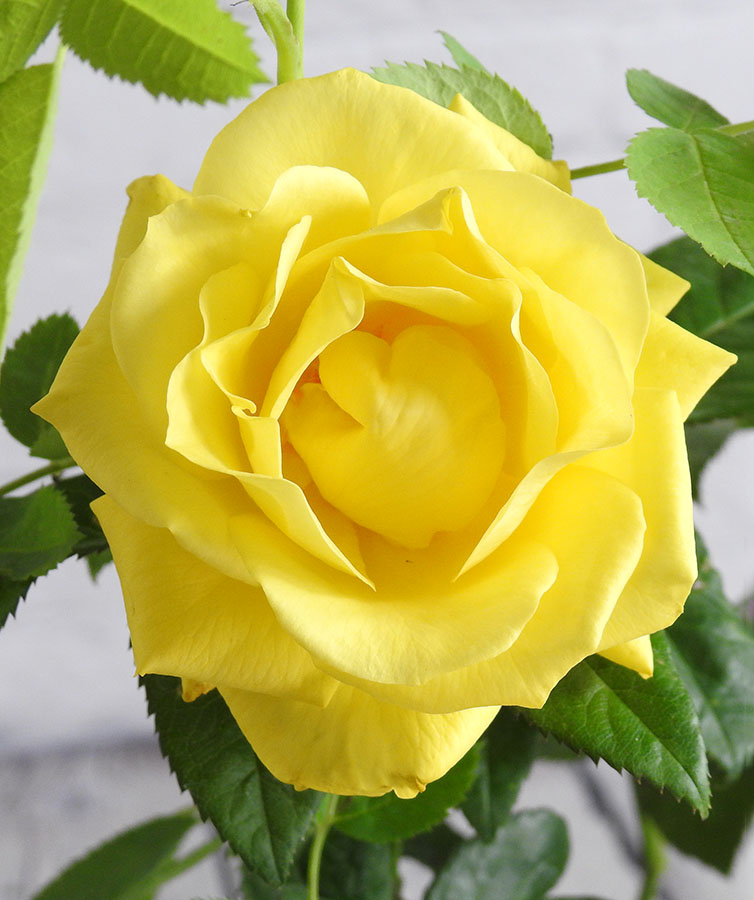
<point x="390" y="430"/>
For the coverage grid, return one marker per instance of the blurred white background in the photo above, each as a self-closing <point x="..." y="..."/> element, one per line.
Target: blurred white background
<point x="78" y="759"/>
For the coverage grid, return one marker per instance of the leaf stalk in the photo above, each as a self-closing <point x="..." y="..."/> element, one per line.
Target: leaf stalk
<point x="57" y="465"/>
<point x="325" y="817"/>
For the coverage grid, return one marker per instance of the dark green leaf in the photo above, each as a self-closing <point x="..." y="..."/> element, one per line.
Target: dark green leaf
<point x="716" y="839"/>
<point x="388" y="818"/>
<point x="352" y="870"/>
<point x="704" y="183"/>
<point x="24" y="24"/>
<point x="263" y="820"/>
<point x="36" y="533"/>
<point x="27" y="110"/>
<point x="461" y="56"/>
<point x="79" y="493"/>
<point x="11" y="594"/>
<point x="495" y="99"/>
<point x="507" y="752"/>
<point x="648" y="727"/>
<point x="28" y="371"/>
<point x="255" y="888"/>
<point x="713" y="651"/>
<point x="720" y="308"/>
<point x="704" y="441"/>
<point x="198" y="54"/>
<point x="524" y="861"/>
<point x="131" y="866"/>
<point x="433" y="848"/>
<point x="670" y="104"/>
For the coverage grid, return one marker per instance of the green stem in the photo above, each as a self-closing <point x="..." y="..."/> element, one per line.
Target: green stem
<point x="325" y="817"/>
<point x="616" y="164"/>
<point x="598" y="169"/>
<point x="57" y="465"/>
<point x="284" y="34"/>
<point x="654" y="858"/>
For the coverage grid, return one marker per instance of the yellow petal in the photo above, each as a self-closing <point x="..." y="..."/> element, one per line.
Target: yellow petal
<point x="355" y="745"/>
<point x="405" y="439"/>
<point x="148" y="196"/>
<point x="392" y="635"/>
<point x="187" y="619"/>
<point x="677" y="360"/>
<point x="594" y="527"/>
<point x="348" y="121"/>
<point x="665" y="288"/>
<point x="636" y="655"/>
<point x="654" y="464"/>
<point x="521" y="155"/>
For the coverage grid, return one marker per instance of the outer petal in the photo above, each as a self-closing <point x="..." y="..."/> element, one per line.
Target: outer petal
<point x="636" y="655"/>
<point x="346" y="120"/>
<point x="654" y="464"/>
<point x="417" y="624"/>
<point x="677" y="360"/>
<point x="665" y="288"/>
<point x="595" y="528"/>
<point x="523" y="158"/>
<point x="187" y="619"/>
<point x="355" y="745"/>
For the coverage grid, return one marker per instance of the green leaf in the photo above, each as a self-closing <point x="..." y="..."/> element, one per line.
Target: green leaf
<point x="507" y="752"/>
<point x="498" y="101"/>
<point x="24" y="24"/>
<point x="36" y="533"/>
<point x="12" y="592"/>
<point x="352" y="870"/>
<point x="131" y="866"/>
<point x="461" y="56"/>
<point x="79" y="493"/>
<point x="704" y="183"/>
<point x="28" y="371"/>
<point x="255" y="888"/>
<point x="525" y="860"/>
<point x="198" y="53"/>
<point x="670" y="104"/>
<point x="715" y="840"/>
<point x="647" y="726"/>
<point x="27" y="111"/>
<point x="433" y="848"/>
<point x="388" y="818"/>
<point x="713" y="651"/>
<point x="704" y="440"/>
<point x="720" y="308"/>
<point x="263" y="820"/>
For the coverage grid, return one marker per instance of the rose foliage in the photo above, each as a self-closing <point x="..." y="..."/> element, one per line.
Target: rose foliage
<point x="390" y="429"/>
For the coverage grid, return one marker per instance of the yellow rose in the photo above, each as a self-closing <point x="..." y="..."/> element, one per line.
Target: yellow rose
<point x="390" y="431"/>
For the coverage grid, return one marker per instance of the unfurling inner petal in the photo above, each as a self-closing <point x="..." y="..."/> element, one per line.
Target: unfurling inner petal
<point x="405" y="439"/>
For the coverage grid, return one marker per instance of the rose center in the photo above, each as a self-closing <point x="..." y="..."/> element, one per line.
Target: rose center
<point x="406" y="438"/>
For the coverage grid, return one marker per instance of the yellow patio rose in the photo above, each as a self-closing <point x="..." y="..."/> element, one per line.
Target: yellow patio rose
<point x="390" y="430"/>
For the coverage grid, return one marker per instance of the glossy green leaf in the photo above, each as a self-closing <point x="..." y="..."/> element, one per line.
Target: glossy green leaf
<point x="720" y="308"/>
<point x="197" y="53"/>
<point x="27" y="373"/>
<point x="37" y="532"/>
<point x="28" y="100"/>
<point x="263" y="820"/>
<point x="461" y="56"/>
<point x="647" y="726"/>
<point x="353" y="870"/>
<point x="713" y="651"/>
<point x="506" y="755"/>
<point x="131" y="866"/>
<point x="704" y="183"/>
<point x="716" y="839"/>
<point x="24" y="24"/>
<point x="495" y="99"/>
<point x="670" y="104"/>
<point x="388" y="818"/>
<point x="524" y="861"/>
<point x="433" y="848"/>
<point x="12" y="592"/>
